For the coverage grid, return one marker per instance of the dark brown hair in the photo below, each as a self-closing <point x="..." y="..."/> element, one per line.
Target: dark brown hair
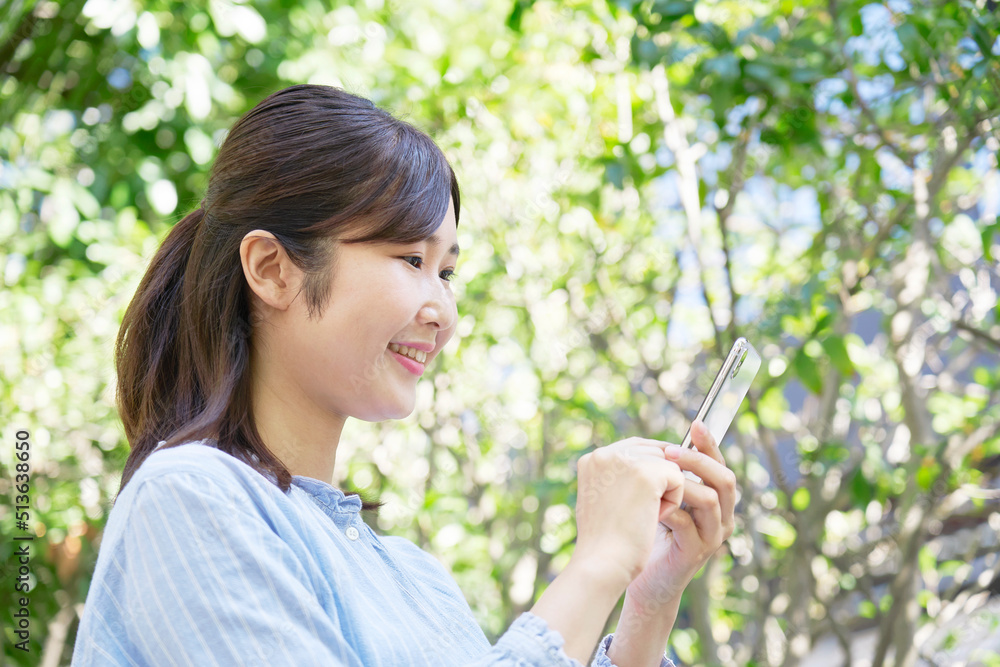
<point x="310" y="164"/>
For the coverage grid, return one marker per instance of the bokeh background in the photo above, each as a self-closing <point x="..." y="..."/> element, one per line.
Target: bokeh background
<point x="642" y="183"/>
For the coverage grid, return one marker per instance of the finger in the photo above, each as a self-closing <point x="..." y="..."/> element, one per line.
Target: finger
<point x="622" y="452"/>
<point x="649" y="442"/>
<point x="713" y="474"/>
<point x="637" y="445"/>
<point x="704" y="441"/>
<point x="684" y="529"/>
<point x="703" y="504"/>
<point x="654" y="448"/>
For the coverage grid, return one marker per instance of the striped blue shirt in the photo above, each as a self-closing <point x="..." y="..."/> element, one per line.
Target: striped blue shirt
<point x="204" y="561"/>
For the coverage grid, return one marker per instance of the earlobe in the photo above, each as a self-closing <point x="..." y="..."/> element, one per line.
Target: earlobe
<point x="269" y="271"/>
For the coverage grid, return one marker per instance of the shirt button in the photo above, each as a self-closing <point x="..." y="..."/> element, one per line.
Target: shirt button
<point x="352" y="533"/>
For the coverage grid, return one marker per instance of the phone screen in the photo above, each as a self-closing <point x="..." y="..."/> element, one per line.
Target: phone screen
<point x="723" y="401"/>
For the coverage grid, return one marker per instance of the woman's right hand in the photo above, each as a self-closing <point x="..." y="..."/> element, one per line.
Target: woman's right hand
<point x="623" y="491"/>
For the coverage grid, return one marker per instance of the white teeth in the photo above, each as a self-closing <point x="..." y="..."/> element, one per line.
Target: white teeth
<point x="416" y="355"/>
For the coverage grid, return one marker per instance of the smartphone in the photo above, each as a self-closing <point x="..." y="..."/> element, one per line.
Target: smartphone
<point x="730" y="387"/>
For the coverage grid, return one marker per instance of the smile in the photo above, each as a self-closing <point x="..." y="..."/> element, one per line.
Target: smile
<point x="416" y="355"/>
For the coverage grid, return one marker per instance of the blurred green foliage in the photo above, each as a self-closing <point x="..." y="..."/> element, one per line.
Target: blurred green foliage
<point x="642" y="183"/>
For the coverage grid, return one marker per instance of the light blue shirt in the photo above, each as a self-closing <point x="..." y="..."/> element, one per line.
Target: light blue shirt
<point x="204" y="562"/>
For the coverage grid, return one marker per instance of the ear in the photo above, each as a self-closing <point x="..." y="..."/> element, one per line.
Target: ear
<point x="270" y="272"/>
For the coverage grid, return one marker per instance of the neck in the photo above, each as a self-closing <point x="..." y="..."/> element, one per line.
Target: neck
<point x="298" y="432"/>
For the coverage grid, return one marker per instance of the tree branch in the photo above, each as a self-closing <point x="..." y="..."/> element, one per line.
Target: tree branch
<point x="978" y="333"/>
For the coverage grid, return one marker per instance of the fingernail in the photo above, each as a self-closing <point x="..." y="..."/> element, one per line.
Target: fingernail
<point x="672" y="452"/>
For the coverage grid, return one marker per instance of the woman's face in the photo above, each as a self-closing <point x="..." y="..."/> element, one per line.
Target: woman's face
<point x="382" y="295"/>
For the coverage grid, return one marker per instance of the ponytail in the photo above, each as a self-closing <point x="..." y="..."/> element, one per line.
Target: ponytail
<point x="183" y="355"/>
<point x="147" y="349"/>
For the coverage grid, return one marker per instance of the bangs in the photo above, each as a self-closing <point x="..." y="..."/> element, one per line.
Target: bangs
<point x="410" y="198"/>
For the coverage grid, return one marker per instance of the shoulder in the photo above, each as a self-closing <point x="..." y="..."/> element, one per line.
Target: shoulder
<point x="197" y="469"/>
<point x="200" y="458"/>
<point x="195" y="494"/>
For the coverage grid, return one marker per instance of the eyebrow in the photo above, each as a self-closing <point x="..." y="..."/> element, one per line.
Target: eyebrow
<point x="434" y="241"/>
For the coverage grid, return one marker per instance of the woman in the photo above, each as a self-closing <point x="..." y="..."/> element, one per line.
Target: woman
<point x="312" y="286"/>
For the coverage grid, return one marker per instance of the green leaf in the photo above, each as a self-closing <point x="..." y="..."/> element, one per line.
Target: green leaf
<point x="862" y="491"/>
<point x="926" y="559"/>
<point x="800" y="499"/>
<point x="779" y="532"/>
<point x="805" y="369"/>
<point x="857" y="27"/>
<point x="771" y="406"/>
<point x="927" y="474"/>
<point x="836" y="350"/>
<point x="517" y="14"/>
<point x="982" y="40"/>
<point x="989" y="232"/>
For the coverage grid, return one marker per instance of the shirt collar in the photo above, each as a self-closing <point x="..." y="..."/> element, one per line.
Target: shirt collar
<point x="328" y="495"/>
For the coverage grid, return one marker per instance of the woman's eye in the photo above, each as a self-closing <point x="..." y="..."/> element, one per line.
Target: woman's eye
<point x="446" y="275"/>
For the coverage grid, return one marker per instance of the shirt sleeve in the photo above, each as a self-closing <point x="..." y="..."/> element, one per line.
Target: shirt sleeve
<point x="530" y="641"/>
<point x="601" y="658"/>
<point x="205" y="581"/>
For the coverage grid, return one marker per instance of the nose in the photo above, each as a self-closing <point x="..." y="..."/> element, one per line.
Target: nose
<point x="439" y="308"/>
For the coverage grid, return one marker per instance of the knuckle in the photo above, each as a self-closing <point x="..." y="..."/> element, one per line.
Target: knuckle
<point x="715" y="502"/>
<point x="623" y="456"/>
<point x="600" y="457"/>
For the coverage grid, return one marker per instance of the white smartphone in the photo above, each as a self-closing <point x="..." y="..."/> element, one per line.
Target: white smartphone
<point x="730" y="387"/>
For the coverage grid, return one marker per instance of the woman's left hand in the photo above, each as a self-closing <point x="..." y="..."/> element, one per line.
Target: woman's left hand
<point x="688" y="538"/>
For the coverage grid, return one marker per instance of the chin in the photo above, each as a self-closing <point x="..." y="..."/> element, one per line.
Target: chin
<point x="387" y="412"/>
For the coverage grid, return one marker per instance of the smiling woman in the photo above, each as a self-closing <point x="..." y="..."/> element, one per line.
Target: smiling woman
<point x="310" y="181"/>
<point x="312" y="285"/>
